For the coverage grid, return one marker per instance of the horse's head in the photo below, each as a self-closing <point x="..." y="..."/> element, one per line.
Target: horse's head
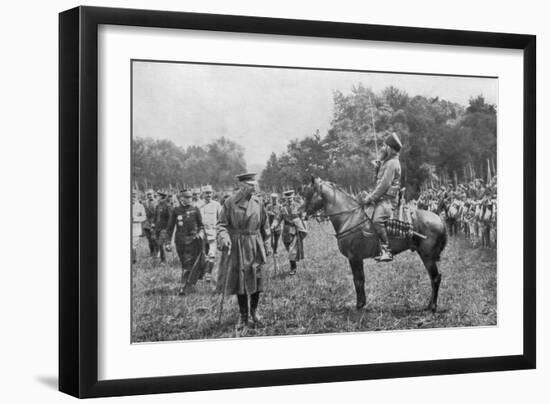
<point x="313" y="198"/>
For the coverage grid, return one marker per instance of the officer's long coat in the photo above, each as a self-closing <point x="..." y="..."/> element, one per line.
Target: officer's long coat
<point x="245" y="223"/>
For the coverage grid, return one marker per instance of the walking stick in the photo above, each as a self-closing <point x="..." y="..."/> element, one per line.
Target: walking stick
<point x="225" y="256"/>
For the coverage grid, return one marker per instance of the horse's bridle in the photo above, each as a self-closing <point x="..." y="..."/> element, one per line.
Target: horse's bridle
<point x="352" y="229"/>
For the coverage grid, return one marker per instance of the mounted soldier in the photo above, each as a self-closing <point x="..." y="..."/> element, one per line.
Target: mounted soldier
<point x="385" y="194"/>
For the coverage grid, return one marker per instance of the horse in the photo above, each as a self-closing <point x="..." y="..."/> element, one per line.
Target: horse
<point x="357" y="240"/>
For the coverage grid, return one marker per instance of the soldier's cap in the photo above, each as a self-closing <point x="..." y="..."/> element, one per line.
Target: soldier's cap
<point x="196" y="191"/>
<point x="161" y="194"/>
<point x="149" y="192"/>
<point x="207" y="188"/>
<point x="393" y="141"/>
<point x="288" y="193"/>
<point x="186" y="193"/>
<point x="247" y="178"/>
<point x="274" y="195"/>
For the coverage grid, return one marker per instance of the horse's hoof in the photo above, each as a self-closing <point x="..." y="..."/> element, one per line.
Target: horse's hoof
<point x="431" y="307"/>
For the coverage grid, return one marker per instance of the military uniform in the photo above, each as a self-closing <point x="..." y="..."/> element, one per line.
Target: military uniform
<point x="243" y="236"/>
<point x="138" y="217"/>
<point x="294" y="230"/>
<point x="150" y="206"/>
<point x="162" y="216"/>
<point x="187" y="221"/>
<point x="210" y="213"/>
<point x="273" y="212"/>
<point x="385" y="194"/>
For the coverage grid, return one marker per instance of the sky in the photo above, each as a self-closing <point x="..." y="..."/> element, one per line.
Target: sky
<point x="263" y="108"/>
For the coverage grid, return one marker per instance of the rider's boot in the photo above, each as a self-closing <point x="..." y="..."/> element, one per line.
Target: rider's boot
<point x="385" y="252"/>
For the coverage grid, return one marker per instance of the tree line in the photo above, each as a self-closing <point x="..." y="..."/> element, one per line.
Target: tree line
<point x="161" y="164"/>
<point x="441" y="140"/>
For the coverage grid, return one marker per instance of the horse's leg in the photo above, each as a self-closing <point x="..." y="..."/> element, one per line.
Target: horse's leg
<point x="435" y="277"/>
<point x="359" y="281"/>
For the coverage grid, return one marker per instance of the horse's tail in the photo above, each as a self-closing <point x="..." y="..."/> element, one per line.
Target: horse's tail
<point x="440" y="244"/>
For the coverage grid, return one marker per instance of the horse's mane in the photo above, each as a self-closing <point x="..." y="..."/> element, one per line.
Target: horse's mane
<point x="339" y="188"/>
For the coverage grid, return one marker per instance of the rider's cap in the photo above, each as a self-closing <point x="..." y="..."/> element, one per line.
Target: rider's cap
<point x="247" y="178"/>
<point x="393" y="141"/>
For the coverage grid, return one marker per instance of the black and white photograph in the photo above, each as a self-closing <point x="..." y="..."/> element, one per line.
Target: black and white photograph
<point x="276" y="201"/>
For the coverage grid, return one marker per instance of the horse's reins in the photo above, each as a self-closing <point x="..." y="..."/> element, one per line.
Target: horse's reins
<point x="351" y="229"/>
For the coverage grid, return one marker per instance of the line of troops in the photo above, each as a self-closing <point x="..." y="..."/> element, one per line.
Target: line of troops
<point x="469" y="208"/>
<point x="223" y="238"/>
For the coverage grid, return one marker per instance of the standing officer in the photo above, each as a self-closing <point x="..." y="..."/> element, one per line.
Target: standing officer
<point x="294" y="230"/>
<point x="150" y="206"/>
<point x="210" y="213"/>
<point x="138" y="217"/>
<point x="273" y="211"/>
<point x="162" y="215"/>
<point x="243" y="238"/>
<point x="385" y="194"/>
<point x="187" y="221"/>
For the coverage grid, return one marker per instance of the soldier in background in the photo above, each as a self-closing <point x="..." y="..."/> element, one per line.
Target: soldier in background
<point x="273" y="208"/>
<point x="294" y="230"/>
<point x="196" y="200"/>
<point x="210" y="212"/>
<point x="188" y="238"/>
<point x="150" y="205"/>
<point x="162" y="215"/>
<point x="138" y="217"/>
<point x="244" y="239"/>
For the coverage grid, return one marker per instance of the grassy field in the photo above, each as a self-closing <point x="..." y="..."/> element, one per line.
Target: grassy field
<point x="320" y="298"/>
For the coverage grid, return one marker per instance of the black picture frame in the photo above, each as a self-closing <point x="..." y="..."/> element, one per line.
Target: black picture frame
<point x="78" y="200"/>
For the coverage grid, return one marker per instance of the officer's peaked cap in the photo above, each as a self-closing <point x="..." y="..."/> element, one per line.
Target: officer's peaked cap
<point x="186" y="193"/>
<point x="247" y="178"/>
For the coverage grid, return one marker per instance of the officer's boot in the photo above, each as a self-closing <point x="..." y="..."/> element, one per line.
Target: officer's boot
<point x="292" y="267"/>
<point x="184" y="277"/>
<point x="275" y="243"/>
<point x="208" y="271"/>
<point x="385" y="253"/>
<point x="162" y="254"/>
<point x="254" y="298"/>
<point x="243" y="310"/>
